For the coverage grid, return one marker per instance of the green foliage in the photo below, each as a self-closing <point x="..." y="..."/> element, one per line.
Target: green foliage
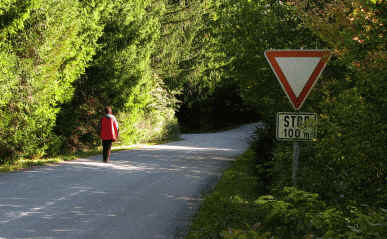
<point x="347" y="157"/>
<point x="231" y="212"/>
<point x="61" y="62"/>
<point x="153" y="120"/>
<point x="346" y="164"/>
<point x="46" y="46"/>
<point x="181" y="58"/>
<point x="298" y="214"/>
<point x="244" y="234"/>
<point x="263" y="142"/>
<point x="243" y="31"/>
<point x="121" y="75"/>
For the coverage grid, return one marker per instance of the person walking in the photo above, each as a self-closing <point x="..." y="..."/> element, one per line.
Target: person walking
<point x="108" y="132"/>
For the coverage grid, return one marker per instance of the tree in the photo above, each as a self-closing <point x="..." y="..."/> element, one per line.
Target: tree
<point x="45" y="46"/>
<point x="121" y="75"/>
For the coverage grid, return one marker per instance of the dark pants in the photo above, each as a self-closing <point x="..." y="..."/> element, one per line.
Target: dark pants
<point x="107" y="149"/>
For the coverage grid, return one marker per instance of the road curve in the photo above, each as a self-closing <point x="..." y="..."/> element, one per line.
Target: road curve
<point x="145" y="193"/>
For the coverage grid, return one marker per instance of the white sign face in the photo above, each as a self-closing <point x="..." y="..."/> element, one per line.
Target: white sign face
<point x="297" y="71"/>
<point x="296" y="126"/>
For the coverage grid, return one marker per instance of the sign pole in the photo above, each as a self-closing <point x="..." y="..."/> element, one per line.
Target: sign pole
<point x="296" y="156"/>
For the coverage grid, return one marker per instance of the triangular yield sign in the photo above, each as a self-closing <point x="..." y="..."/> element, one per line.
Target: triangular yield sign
<point x="297" y="71"/>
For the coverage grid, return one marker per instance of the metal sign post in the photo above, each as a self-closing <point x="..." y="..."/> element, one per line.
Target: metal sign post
<point x="296" y="156"/>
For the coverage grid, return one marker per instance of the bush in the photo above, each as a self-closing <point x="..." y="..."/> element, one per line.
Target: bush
<point x="243" y="234"/>
<point x="121" y="75"/>
<point x="299" y="214"/>
<point x="346" y="164"/>
<point x="44" y="47"/>
<point x="263" y="144"/>
<point x="231" y="205"/>
<point x="149" y="120"/>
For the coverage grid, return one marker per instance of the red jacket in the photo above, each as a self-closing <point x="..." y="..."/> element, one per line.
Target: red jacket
<point x="109" y="127"/>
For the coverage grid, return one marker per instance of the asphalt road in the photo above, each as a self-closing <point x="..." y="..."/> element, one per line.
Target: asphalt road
<point x="146" y="193"/>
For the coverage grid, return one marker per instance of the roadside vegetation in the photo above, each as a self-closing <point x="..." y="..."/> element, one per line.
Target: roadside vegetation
<point x="341" y="190"/>
<point x="230" y="205"/>
<point x="246" y="205"/>
<point x="21" y="164"/>
<point x="171" y="65"/>
<point x="28" y="163"/>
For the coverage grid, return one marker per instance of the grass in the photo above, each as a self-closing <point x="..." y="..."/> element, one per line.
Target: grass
<point x="30" y="163"/>
<point x="230" y="205"/>
<point x="22" y="164"/>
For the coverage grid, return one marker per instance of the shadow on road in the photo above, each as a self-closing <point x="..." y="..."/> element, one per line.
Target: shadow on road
<point x="142" y="193"/>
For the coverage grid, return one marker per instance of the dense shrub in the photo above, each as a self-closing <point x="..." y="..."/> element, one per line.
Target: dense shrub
<point x="121" y="75"/>
<point x="346" y="163"/>
<point x="62" y="62"/>
<point x="298" y="214"/>
<point x="45" y="46"/>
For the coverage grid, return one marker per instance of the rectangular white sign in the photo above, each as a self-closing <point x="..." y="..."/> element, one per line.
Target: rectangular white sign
<point x="296" y="126"/>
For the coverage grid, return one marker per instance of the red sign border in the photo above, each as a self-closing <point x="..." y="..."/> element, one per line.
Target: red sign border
<point x="297" y="102"/>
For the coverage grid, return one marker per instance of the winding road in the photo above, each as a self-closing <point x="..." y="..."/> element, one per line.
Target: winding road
<point x="146" y="193"/>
